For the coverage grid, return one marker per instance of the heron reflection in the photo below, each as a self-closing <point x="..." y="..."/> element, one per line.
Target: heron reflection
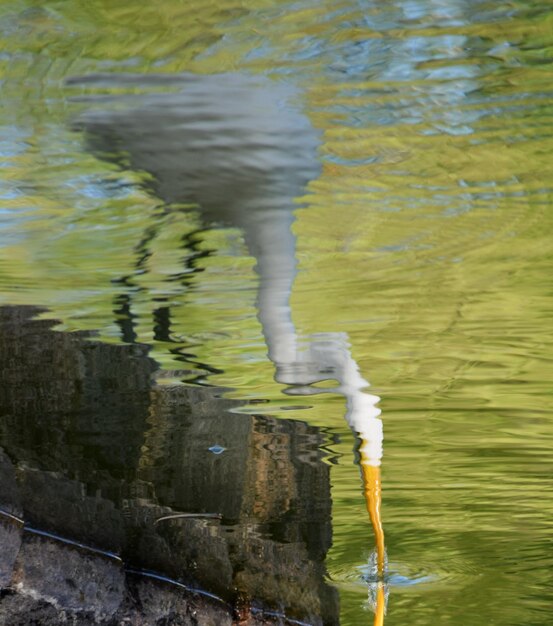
<point x="238" y="150"/>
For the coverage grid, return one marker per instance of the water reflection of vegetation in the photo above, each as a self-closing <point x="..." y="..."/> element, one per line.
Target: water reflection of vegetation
<point x="438" y="155"/>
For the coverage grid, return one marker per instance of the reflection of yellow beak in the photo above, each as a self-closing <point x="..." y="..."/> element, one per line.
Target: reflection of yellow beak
<point x="373" y="499"/>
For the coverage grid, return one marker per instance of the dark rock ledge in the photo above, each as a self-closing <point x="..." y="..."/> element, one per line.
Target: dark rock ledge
<point x="46" y="579"/>
<point x="99" y="470"/>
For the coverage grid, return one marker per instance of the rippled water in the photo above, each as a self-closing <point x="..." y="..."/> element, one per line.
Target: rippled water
<point x="419" y="166"/>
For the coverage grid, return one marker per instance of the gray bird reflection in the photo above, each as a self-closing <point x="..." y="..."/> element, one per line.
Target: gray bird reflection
<point x="238" y="149"/>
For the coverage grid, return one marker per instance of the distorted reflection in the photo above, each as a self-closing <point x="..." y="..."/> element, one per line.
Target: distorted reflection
<point x="237" y="149"/>
<point x="427" y="239"/>
<point x="108" y="485"/>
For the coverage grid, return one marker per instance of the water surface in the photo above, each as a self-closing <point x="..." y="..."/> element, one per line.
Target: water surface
<point x="421" y="224"/>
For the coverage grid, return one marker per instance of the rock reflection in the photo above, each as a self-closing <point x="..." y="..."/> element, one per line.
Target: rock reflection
<point x="96" y="454"/>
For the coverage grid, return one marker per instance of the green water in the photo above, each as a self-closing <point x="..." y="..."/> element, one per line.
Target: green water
<point x="426" y="238"/>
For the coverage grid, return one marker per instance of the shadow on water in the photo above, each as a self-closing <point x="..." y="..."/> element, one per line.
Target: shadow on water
<point x="95" y="453"/>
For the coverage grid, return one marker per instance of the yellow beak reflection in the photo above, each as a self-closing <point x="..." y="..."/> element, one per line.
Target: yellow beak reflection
<point x="373" y="499"/>
<point x="363" y="417"/>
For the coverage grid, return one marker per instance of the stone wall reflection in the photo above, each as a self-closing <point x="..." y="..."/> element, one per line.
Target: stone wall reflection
<point x="97" y="453"/>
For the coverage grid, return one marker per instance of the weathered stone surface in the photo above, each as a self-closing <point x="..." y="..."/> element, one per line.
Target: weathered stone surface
<point x="95" y="452"/>
<point x="69" y="577"/>
<point x="159" y="604"/>
<point x="10" y="543"/>
<point x="21" y="610"/>
<point x="10" y="499"/>
<point x="57" y="583"/>
<point x="10" y="530"/>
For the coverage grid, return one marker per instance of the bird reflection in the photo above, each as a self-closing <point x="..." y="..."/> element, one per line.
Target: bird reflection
<point x="332" y="359"/>
<point x="328" y="357"/>
<point x="238" y="150"/>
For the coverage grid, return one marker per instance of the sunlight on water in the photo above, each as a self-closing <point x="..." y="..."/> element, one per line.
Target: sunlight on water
<point x="398" y="159"/>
